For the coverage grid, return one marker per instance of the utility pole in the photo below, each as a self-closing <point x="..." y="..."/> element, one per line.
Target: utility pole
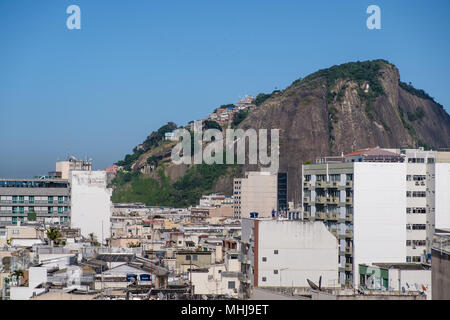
<point x="190" y="274"/>
<point x="151" y="267"/>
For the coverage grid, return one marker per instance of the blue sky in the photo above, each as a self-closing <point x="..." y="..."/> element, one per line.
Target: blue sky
<point x="135" y="65"/>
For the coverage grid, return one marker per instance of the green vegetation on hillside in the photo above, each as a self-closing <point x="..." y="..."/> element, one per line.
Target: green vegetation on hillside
<point x="417" y="115"/>
<point x="239" y="117"/>
<point x="153" y="140"/>
<point x="198" y="180"/>
<point x="209" y="124"/>
<point x="260" y="98"/>
<point x="418" y="92"/>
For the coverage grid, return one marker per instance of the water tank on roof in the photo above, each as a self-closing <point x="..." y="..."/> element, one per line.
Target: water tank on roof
<point x="253" y="215"/>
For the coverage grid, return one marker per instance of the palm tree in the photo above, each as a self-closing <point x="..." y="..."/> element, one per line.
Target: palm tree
<point x="54" y="235"/>
<point x="17" y="274"/>
<point x="93" y="239"/>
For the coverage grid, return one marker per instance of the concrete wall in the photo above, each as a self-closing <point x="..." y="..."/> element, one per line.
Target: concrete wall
<point x="442" y="191"/>
<point x="258" y="193"/>
<point x="306" y="250"/>
<point x="91" y="203"/>
<point x="379" y="226"/>
<point x="440" y="266"/>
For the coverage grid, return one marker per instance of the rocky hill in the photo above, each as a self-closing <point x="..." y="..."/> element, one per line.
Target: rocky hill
<point x="332" y="111"/>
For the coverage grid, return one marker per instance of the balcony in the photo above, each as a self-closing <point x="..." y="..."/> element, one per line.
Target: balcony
<point x="306" y="184"/>
<point x="349" y="233"/>
<point x="321" y="184"/>
<point x="333" y="200"/>
<point x="349" y="200"/>
<point x="321" y="215"/>
<point x="348" y="267"/>
<point x="349" y="184"/>
<point x="321" y="199"/>
<point x="349" y="217"/>
<point x="306" y="199"/>
<point x="306" y="215"/>
<point x="333" y="216"/>
<point x="333" y="184"/>
<point x="349" y="250"/>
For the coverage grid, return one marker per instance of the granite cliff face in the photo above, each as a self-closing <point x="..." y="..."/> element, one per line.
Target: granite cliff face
<point x="345" y="108"/>
<point x="332" y="111"/>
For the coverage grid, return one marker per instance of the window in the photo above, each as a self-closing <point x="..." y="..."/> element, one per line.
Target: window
<point x="21" y="199"/>
<point x="416" y="210"/>
<point x="408" y="177"/>
<point x="275" y="251"/>
<point x="50" y="199"/>
<point x="275" y="271"/>
<point x="231" y="285"/>
<point x="408" y="259"/>
<point x="60" y="209"/>
<point x="50" y="209"/>
<point x="264" y="279"/>
<point x="195" y="257"/>
<point x="14" y="199"/>
<point x="60" y="199"/>
<point x="264" y="259"/>
<point x="188" y="257"/>
<point x="335" y="177"/>
<point x="31" y="199"/>
<point x="16" y="232"/>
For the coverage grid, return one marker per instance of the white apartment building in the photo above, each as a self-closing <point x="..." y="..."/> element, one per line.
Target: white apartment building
<point x="91" y="203"/>
<point x="427" y="199"/>
<point x="379" y="203"/>
<point x="257" y="192"/>
<point x="285" y="253"/>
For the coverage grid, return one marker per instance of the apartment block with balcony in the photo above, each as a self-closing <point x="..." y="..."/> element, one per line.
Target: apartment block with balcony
<point x="328" y="197"/>
<point x="41" y="200"/>
<point x="386" y="208"/>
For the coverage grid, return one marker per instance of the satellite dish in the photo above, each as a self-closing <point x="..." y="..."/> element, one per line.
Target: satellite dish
<point x="314" y="286"/>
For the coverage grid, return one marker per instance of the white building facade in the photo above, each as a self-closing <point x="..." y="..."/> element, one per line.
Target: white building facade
<point x="382" y="204"/>
<point x="285" y="253"/>
<point x="91" y="203"/>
